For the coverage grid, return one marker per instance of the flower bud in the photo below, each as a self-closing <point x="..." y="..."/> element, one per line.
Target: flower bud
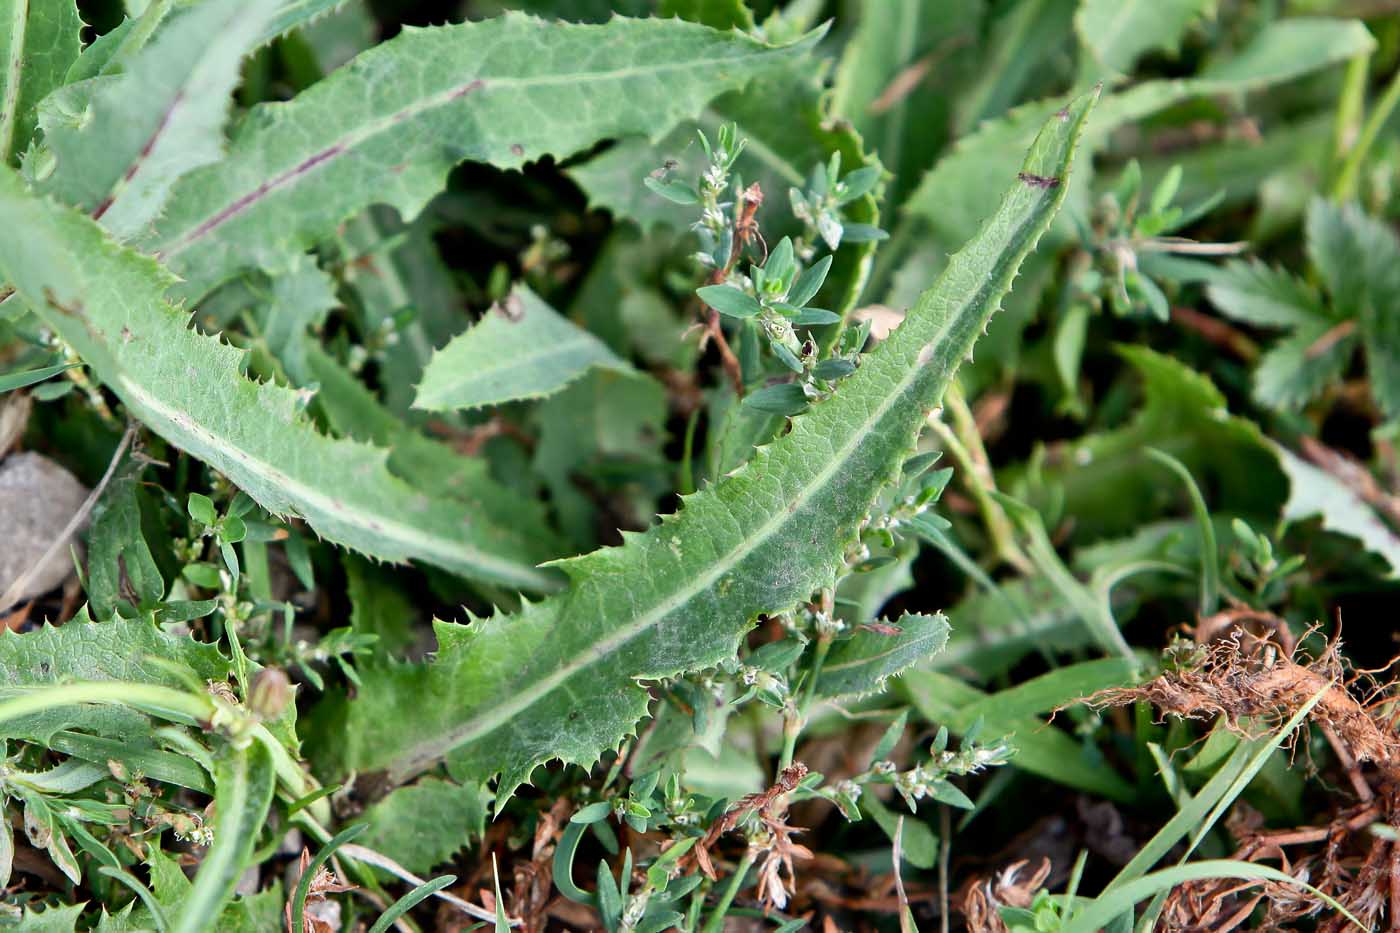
<point x="270" y="694"/>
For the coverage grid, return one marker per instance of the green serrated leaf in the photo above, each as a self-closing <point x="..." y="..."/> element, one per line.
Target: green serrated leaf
<point x="39" y="43"/>
<point x="522" y="349"/>
<point x="1297" y="369"/>
<point x="558" y="680"/>
<point x="721" y="14"/>
<point x="297" y="14"/>
<point x="126" y="650"/>
<point x="50" y="920"/>
<point x="1265" y="296"/>
<point x="429" y="466"/>
<point x="1359" y="259"/>
<point x="862" y="663"/>
<point x="106" y="301"/>
<point x="130" y="36"/>
<point x="160" y="118"/>
<point x="424" y="824"/>
<point x="387" y="127"/>
<point x="1183" y="412"/>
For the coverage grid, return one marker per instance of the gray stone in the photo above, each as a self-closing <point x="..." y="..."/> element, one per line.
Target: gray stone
<point x="37" y="499"/>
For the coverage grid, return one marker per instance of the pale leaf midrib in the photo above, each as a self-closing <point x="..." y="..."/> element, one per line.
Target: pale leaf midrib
<point x="443" y="397"/>
<point x="867" y="659"/>
<point x="354" y="138"/>
<point x="484" y="723"/>
<point x="414" y="541"/>
<point x="195" y="77"/>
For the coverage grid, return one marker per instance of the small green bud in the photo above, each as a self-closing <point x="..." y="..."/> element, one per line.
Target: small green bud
<point x="270" y="693"/>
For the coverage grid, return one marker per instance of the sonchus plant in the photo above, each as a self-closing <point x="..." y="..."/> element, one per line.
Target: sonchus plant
<point x="559" y="680"/>
<point x="154" y="756"/>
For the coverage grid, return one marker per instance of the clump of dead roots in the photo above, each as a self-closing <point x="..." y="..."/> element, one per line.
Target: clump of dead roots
<point x="1241" y="676"/>
<point x="1243" y="669"/>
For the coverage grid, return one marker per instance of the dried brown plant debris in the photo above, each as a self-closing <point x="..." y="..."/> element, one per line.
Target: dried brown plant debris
<point x="534" y="879"/>
<point x="1014" y="886"/>
<point x="773" y="840"/>
<point x="1244" y="677"/>
<point x="321" y="914"/>
<point x="1245" y="670"/>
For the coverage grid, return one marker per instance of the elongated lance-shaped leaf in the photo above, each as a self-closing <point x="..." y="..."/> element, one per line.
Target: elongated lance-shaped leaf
<point x="559" y="680"/>
<point x="387" y="127"/>
<point x="106" y="301"/>
<point x="1115" y="33"/>
<point x="117" y="144"/>
<point x="38" y="43"/>
<point x="951" y="197"/>
<point x="863" y="662"/>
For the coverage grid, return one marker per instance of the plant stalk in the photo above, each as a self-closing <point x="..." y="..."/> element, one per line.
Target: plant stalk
<point x="1344" y="189"/>
<point x="715" y="923"/>
<point x="793" y="725"/>
<point x="964" y="442"/>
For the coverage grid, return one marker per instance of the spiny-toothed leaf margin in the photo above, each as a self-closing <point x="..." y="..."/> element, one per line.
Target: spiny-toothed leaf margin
<point x="106" y="301"/>
<point x="559" y="680"/>
<point x="388" y="126"/>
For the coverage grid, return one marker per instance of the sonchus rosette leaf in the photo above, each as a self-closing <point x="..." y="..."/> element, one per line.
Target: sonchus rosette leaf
<point x="106" y="301"/>
<point x="560" y="680"/>
<point x="388" y="127"/>
<point x="114" y="145"/>
<point x="39" y="43"/>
